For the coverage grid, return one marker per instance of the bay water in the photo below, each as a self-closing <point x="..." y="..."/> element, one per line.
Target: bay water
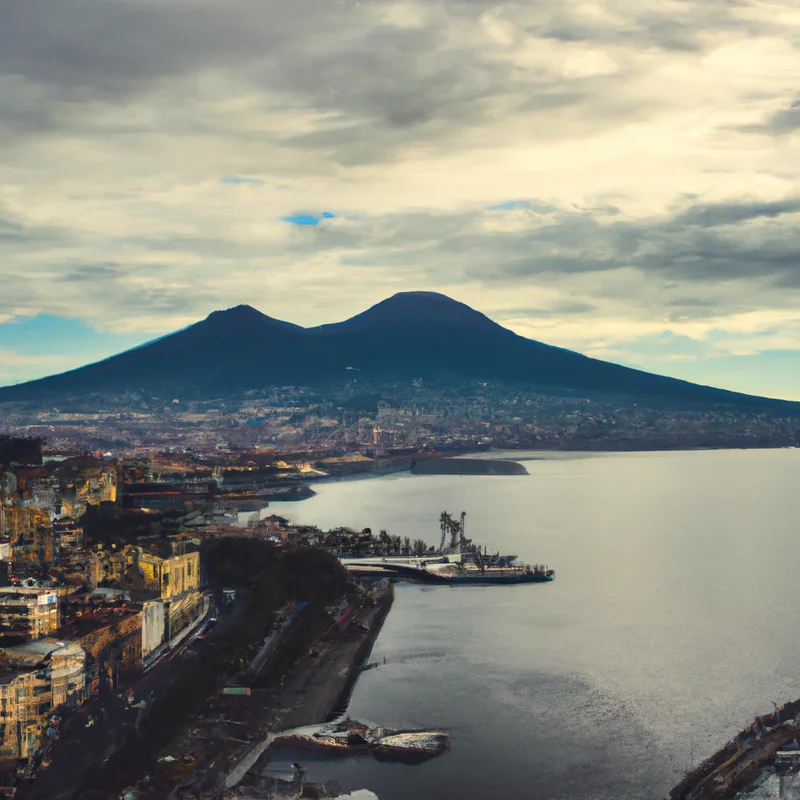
<point x="673" y="621"/>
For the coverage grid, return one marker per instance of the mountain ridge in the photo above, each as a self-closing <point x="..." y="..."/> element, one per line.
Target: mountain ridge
<point x="406" y="336"/>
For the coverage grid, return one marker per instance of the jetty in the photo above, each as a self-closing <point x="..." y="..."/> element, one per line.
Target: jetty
<point x="770" y="741"/>
<point x="457" y="561"/>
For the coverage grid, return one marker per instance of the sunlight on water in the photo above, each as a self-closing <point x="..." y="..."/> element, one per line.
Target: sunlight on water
<point x="670" y="626"/>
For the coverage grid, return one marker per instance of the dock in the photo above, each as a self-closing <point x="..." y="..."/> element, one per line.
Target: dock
<point x="458" y="562"/>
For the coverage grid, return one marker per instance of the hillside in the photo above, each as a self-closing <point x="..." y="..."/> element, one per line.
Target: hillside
<point x="410" y="335"/>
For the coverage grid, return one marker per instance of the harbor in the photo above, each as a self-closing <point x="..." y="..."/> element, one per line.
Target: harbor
<point x="457" y="561"/>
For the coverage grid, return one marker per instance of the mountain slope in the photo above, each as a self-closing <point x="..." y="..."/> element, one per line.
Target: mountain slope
<point x="410" y="335"/>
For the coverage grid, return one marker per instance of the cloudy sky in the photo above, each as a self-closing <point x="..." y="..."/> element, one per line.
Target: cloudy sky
<point x="618" y="178"/>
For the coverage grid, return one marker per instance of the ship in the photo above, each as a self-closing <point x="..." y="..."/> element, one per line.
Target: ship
<point x="465" y="562"/>
<point x="460" y="573"/>
<point x="457" y="561"/>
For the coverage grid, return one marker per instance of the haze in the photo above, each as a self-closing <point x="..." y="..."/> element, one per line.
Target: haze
<point x="622" y="182"/>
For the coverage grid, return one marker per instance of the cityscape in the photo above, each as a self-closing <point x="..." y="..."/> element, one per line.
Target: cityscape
<point x="399" y="400"/>
<point x="375" y="422"/>
<point x="117" y="573"/>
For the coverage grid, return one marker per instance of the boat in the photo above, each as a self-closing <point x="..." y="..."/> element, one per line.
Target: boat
<point x="461" y="574"/>
<point x="410" y="747"/>
<point x="354" y="738"/>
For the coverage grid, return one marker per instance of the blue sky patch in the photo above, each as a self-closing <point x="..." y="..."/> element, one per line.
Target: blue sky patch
<point x="511" y="204"/>
<point x="49" y="333"/>
<point x="235" y="179"/>
<point x="307" y="219"/>
<point x="301" y="219"/>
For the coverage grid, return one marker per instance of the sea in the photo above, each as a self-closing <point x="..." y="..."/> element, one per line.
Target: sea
<point x="673" y="621"/>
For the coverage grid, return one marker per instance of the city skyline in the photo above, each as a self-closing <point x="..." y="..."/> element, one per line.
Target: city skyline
<point x="619" y="183"/>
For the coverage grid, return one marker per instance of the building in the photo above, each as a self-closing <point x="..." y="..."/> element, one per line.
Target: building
<point x="25" y="699"/>
<point x="36" y="678"/>
<point x="154" y="626"/>
<point x="175" y="576"/>
<point x="114" y="566"/>
<point x="178" y="578"/>
<point x="111" y="637"/>
<point x="30" y="531"/>
<point x="27" y="616"/>
<point x="69" y="540"/>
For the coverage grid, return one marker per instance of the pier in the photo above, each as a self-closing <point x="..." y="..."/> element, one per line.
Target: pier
<point x="458" y="562"/>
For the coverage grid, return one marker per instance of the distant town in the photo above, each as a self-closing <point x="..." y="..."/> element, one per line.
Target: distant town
<point x="310" y="425"/>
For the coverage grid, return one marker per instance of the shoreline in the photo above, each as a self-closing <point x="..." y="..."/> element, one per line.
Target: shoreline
<point x="318" y="689"/>
<point x="507" y="454"/>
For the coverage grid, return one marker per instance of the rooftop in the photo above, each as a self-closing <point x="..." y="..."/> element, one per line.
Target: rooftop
<point x="42" y="647"/>
<point x="92" y="621"/>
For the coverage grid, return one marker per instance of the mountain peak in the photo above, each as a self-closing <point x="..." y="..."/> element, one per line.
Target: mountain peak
<point x="422" y="296"/>
<point x="244" y="315"/>
<point x="421" y="309"/>
<point x="242" y="311"/>
<point x="420" y="299"/>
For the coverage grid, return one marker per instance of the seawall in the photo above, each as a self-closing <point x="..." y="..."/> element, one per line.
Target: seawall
<point x="322" y="685"/>
<point x="467" y="466"/>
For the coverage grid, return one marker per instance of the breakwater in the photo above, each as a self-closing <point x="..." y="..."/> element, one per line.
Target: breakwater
<point x="740" y="761"/>
<point x="466" y="466"/>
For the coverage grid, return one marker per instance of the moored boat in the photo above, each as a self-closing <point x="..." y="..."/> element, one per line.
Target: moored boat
<point x="353" y="738"/>
<point x="410" y="747"/>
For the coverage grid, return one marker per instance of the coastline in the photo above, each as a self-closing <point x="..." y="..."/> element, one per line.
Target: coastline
<point x="379" y="469"/>
<point x="317" y="689"/>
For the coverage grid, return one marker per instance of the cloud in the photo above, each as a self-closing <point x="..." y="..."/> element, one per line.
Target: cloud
<point x="588" y="174"/>
<point x="713" y="215"/>
<point x="558" y="309"/>
<point x="782" y="122"/>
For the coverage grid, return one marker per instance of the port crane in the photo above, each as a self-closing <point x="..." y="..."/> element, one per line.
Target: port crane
<point x="458" y="543"/>
<point x="455" y="529"/>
